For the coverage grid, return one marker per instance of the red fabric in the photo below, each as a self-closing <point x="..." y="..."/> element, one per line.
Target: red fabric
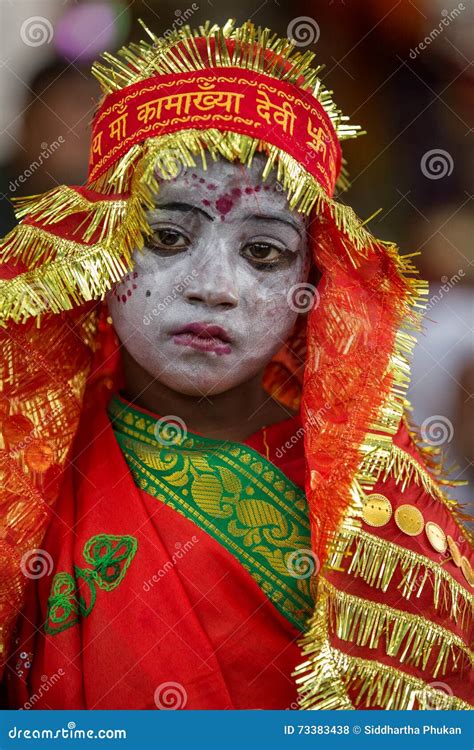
<point x="458" y="678"/>
<point x="153" y="108"/>
<point x="205" y="625"/>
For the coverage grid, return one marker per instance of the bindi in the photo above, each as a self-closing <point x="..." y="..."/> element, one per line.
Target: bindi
<point x="224" y="203"/>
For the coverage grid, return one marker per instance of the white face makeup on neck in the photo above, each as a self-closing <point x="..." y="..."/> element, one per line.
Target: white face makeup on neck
<point x="207" y="304"/>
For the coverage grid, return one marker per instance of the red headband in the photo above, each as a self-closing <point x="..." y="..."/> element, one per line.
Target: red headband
<point x="227" y="99"/>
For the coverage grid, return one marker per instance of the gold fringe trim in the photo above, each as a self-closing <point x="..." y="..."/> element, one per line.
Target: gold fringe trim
<point x="408" y="637"/>
<point x="328" y="676"/>
<point x="63" y="283"/>
<point x="32" y="245"/>
<point x="319" y="679"/>
<point x="176" y="151"/>
<point x="170" y="154"/>
<point x="64" y="272"/>
<point x="62" y="279"/>
<point x="137" y="62"/>
<point x="431" y="455"/>
<point x="376" y="561"/>
<point x="104" y="214"/>
<point x="124" y="226"/>
<point x="382" y="686"/>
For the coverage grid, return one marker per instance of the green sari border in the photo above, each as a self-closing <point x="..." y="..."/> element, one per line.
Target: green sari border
<point x="231" y="492"/>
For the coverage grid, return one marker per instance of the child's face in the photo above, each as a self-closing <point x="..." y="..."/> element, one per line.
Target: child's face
<point x="211" y="298"/>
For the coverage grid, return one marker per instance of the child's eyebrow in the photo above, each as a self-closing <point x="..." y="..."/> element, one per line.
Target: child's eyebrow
<point x="184" y="207"/>
<point x="276" y="217"/>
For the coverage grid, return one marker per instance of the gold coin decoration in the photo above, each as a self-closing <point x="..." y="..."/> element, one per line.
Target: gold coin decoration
<point x="455" y="553"/>
<point x="436" y="537"/>
<point x="377" y="510"/>
<point x="409" y="520"/>
<point x="466" y="568"/>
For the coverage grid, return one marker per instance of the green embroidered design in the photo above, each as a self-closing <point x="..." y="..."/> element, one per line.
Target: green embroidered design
<point x="107" y="559"/>
<point x="73" y="597"/>
<point x="229" y="490"/>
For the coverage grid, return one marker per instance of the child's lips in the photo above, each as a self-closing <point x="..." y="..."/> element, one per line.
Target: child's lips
<point x="204" y="337"/>
<point x="202" y="344"/>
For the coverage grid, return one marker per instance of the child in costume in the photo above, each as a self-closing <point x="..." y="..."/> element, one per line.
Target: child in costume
<point x="299" y="554"/>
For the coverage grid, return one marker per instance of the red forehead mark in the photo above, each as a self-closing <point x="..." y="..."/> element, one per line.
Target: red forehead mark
<point x="224" y="204"/>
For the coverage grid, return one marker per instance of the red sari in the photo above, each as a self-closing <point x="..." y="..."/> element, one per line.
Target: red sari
<point x="201" y="635"/>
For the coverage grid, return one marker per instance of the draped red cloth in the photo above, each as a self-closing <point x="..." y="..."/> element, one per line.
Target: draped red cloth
<point x="206" y="625"/>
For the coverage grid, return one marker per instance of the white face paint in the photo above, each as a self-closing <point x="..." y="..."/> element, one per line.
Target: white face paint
<point x="207" y="304"/>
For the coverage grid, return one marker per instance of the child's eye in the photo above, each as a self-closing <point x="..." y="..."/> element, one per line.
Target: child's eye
<point x="262" y="253"/>
<point x="168" y="239"/>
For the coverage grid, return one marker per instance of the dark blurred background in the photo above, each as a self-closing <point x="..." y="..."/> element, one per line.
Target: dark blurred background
<point x="400" y="68"/>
